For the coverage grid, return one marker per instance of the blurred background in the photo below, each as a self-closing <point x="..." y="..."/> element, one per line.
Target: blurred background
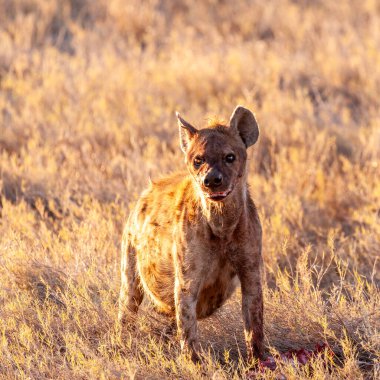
<point x="88" y="91"/>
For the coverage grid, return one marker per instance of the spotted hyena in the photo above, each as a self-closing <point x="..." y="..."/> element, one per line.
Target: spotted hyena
<point x="193" y="236"/>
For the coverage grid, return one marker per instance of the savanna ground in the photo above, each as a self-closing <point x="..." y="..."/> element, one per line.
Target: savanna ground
<point x="88" y="91"/>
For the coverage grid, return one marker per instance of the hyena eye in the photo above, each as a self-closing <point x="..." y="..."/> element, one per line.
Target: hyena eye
<point x="198" y="161"/>
<point x="230" y="158"/>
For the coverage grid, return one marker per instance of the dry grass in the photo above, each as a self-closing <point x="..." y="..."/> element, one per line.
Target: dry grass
<point x="88" y="91"/>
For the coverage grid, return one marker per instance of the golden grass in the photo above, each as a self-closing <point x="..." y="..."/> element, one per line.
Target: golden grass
<point x="88" y="91"/>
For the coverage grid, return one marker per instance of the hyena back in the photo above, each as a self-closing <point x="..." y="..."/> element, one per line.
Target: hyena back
<point x="193" y="236"/>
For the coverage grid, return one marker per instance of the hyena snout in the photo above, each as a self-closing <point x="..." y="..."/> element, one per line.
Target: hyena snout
<point x="213" y="179"/>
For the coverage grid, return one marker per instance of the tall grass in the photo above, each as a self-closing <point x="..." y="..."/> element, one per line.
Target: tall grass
<point x="88" y="91"/>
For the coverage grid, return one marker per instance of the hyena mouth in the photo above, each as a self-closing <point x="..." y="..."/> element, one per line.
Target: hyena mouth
<point x="219" y="195"/>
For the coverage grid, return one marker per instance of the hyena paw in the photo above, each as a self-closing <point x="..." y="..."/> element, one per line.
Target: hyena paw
<point x="192" y="349"/>
<point x="127" y="321"/>
<point x="255" y="353"/>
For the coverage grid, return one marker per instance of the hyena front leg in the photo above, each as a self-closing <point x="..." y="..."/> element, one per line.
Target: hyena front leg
<point x="186" y="291"/>
<point x="186" y="316"/>
<point x="131" y="293"/>
<point x="253" y="310"/>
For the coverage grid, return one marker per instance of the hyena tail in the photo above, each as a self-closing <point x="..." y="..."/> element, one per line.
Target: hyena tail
<point x="131" y="293"/>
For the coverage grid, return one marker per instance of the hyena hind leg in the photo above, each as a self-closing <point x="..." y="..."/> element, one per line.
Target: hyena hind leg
<point x="131" y="293"/>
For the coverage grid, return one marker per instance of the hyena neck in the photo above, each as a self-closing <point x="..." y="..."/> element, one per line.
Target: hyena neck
<point x="223" y="217"/>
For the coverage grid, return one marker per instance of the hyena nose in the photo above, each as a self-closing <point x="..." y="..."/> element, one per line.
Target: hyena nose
<point x="213" y="179"/>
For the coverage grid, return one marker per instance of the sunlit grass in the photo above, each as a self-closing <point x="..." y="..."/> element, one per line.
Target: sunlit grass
<point x="88" y="91"/>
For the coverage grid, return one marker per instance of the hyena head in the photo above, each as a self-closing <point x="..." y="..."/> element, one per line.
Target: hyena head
<point x="216" y="156"/>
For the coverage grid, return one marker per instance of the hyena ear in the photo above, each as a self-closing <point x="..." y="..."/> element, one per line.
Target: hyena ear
<point x="186" y="132"/>
<point x="244" y="122"/>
